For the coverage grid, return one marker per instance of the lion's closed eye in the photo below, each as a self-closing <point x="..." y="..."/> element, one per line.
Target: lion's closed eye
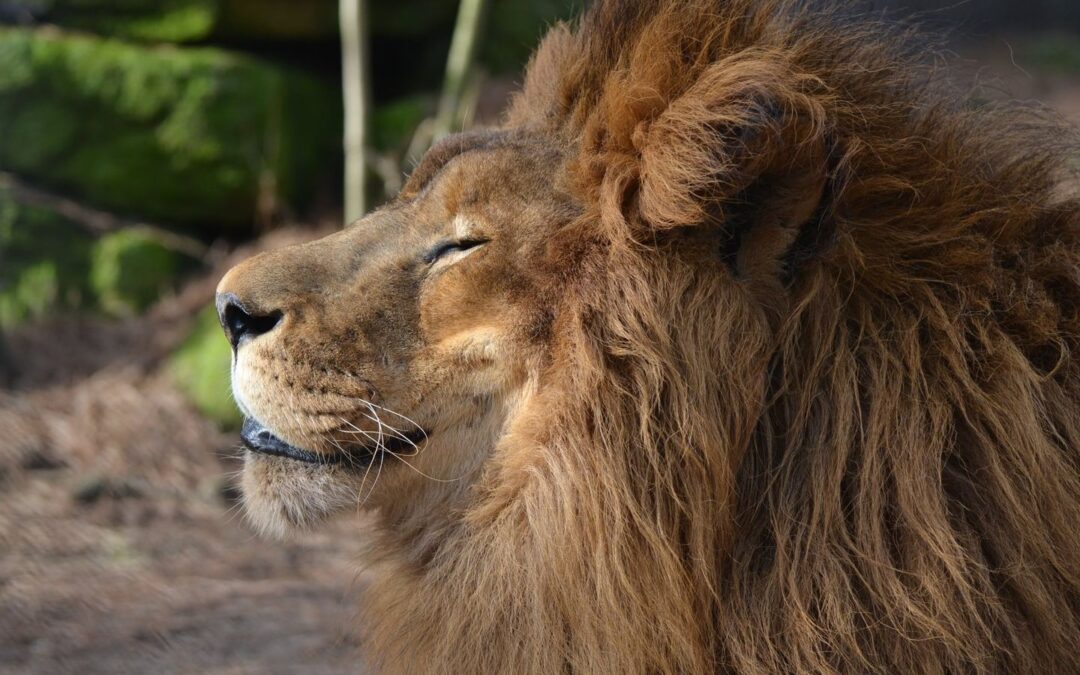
<point x="447" y="252"/>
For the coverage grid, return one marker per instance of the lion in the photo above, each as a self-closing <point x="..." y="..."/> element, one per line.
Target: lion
<point x="745" y="344"/>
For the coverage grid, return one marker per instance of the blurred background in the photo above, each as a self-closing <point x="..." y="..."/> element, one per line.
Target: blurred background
<point x="145" y="147"/>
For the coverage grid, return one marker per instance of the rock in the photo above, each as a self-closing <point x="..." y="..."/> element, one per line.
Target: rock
<point x="130" y="269"/>
<point x="200" y="368"/>
<point x="44" y="262"/>
<point x="196" y="20"/>
<point x="197" y="136"/>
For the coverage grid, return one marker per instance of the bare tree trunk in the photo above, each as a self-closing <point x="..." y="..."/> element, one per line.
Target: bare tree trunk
<point x="356" y="87"/>
<point x="459" y="66"/>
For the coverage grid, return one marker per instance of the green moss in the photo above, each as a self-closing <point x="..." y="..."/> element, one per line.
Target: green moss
<point x="200" y="368"/>
<point x="49" y="123"/>
<point x="44" y="261"/>
<point x="130" y="269"/>
<point x="188" y="136"/>
<point x="197" y="20"/>
<point x="154" y="20"/>
<point x="33" y="292"/>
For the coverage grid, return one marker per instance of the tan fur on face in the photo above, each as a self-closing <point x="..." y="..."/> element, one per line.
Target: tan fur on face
<point x="768" y="366"/>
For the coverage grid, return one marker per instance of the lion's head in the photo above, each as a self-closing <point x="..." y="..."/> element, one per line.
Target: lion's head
<point x="379" y="366"/>
<point x="743" y="344"/>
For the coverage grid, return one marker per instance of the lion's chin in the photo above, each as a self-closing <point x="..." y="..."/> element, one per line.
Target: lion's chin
<point x="281" y="495"/>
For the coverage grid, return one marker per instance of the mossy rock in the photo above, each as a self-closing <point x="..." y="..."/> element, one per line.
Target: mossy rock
<point x="49" y="264"/>
<point x="196" y="20"/>
<point x="131" y="269"/>
<point x="44" y="262"/>
<point x="193" y="136"/>
<point x="200" y="368"/>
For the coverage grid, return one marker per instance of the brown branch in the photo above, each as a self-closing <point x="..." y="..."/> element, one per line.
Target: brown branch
<point x="99" y="222"/>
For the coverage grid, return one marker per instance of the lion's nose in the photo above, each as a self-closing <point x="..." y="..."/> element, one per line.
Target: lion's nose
<point x="239" y="323"/>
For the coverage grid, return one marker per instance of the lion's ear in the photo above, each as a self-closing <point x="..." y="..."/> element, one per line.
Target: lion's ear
<point x="744" y="147"/>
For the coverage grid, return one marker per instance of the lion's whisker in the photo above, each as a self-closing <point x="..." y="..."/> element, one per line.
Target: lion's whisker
<point x="374" y="482"/>
<point x="360" y="502"/>
<point x="396" y="414"/>
<point x="378" y="440"/>
<point x="399" y="456"/>
<point x="402" y="459"/>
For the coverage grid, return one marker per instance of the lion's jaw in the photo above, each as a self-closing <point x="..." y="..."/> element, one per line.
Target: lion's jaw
<point x="379" y="366"/>
<point x="280" y="494"/>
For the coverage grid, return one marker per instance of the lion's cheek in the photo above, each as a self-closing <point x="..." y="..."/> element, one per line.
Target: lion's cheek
<point x="280" y="496"/>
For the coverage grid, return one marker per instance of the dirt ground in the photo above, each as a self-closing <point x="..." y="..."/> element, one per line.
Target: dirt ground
<point x="121" y="549"/>
<point x="121" y="546"/>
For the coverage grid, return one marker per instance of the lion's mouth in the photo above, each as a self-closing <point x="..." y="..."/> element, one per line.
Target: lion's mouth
<point x="257" y="438"/>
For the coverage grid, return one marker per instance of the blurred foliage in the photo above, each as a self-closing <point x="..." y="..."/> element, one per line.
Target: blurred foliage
<point x="194" y="20"/>
<point x="193" y="136"/>
<point x="410" y="18"/>
<point x="201" y="369"/>
<point x="514" y="28"/>
<point x="130" y="269"/>
<point x="44" y="262"/>
<point x="157" y="20"/>
<point x="394" y="122"/>
<point x="1058" y="52"/>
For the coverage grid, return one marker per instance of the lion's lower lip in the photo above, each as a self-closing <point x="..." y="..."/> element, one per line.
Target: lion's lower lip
<point x="257" y="438"/>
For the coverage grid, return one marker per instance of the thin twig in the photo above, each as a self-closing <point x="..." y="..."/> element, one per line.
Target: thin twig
<point x="460" y="65"/>
<point x="356" y="90"/>
<point x="459" y="92"/>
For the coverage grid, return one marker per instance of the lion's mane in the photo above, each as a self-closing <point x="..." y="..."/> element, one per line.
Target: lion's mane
<point x="851" y="446"/>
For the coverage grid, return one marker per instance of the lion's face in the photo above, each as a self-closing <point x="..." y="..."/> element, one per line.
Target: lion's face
<point x="392" y="353"/>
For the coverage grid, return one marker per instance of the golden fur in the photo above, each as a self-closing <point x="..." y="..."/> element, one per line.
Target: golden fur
<point x="768" y="365"/>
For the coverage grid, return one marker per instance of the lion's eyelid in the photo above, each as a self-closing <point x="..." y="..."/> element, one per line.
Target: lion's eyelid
<point x="448" y="246"/>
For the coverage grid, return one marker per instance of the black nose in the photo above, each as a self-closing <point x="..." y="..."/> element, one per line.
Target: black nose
<point x="239" y="324"/>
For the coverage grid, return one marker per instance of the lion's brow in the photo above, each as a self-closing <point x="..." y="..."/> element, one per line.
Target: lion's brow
<point x="447" y="149"/>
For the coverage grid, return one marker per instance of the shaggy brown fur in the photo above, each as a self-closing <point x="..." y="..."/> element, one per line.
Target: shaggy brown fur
<point x="807" y="395"/>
